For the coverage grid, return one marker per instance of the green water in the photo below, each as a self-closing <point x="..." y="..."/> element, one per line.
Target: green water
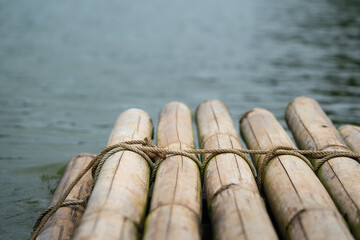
<point x="68" y="68"/>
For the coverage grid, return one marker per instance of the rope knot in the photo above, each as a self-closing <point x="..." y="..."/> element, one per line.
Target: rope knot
<point x="155" y="156"/>
<point x="148" y="142"/>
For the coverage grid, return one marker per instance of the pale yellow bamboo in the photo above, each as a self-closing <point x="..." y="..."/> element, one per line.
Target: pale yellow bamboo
<point x="299" y="202"/>
<point x="117" y="204"/>
<point x="236" y="208"/>
<point x="351" y="136"/>
<point x="313" y="130"/>
<point x="175" y="210"/>
<point x="61" y="225"/>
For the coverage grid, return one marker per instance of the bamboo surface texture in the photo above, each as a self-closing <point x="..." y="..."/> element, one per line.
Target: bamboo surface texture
<point x="300" y="204"/>
<point x="351" y="136"/>
<point x="236" y="208"/>
<point x="313" y="130"/>
<point x="175" y="210"/>
<point x="61" y="225"/>
<point x="117" y="205"/>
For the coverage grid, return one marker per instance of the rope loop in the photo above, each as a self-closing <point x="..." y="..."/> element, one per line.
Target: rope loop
<point x="275" y="152"/>
<point x="82" y="202"/>
<point x="331" y="155"/>
<point x="207" y="160"/>
<point x="95" y="165"/>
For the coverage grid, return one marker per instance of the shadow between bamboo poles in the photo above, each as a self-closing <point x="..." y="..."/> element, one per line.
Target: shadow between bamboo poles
<point x="61" y="225"/>
<point x="299" y="202"/>
<point x="236" y="208"/>
<point x="351" y="136"/>
<point x="117" y="204"/>
<point x="175" y="210"/>
<point x="313" y="130"/>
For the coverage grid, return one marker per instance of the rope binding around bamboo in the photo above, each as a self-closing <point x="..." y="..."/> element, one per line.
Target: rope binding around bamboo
<point x="155" y="155"/>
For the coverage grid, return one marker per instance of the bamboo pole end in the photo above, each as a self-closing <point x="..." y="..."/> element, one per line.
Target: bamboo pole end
<point x="209" y="102"/>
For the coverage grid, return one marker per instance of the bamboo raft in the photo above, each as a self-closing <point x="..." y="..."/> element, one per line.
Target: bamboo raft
<point x="219" y="200"/>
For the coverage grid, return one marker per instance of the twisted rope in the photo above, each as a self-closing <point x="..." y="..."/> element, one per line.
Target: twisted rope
<point x="275" y="152"/>
<point x="64" y="204"/>
<point x="214" y="153"/>
<point x="154" y="156"/>
<point x="96" y="164"/>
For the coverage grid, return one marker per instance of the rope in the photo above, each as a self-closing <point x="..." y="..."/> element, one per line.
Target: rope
<point x="275" y="152"/>
<point x="150" y="152"/>
<point x="96" y="165"/>
<point x="238" y="152"/>
<point x="330" y="156"/>
<point x="64" y="204"/>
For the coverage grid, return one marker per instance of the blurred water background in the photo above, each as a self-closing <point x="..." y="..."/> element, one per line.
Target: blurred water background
<point x="68" y="68"/>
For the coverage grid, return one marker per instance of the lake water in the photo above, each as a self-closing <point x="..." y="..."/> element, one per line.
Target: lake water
<point x="69" y="68"/>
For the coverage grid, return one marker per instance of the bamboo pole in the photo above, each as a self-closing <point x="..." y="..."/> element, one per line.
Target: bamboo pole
<point x="175" y="211"/>
<point x="312" y="129"/>
<point x="62" y="224"/>
<point x="351" y="136"/>
<point x="118" y="202"/>
<point x="236" y="208"/>
<point x="299" y="202"/>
